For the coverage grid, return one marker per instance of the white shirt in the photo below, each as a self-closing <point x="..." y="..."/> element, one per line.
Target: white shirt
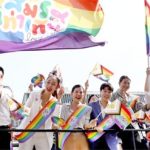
<point x="5" y="93"/>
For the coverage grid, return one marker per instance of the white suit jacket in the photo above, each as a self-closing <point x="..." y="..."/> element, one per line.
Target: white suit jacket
<point x="34" y="102"/>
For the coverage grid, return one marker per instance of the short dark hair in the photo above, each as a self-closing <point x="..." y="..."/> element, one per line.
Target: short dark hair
<point x="2" y="70"/>
<point x="124" y="77"/>
<point x="108" y="85"/>
<point x="90" y="97"/>
<point x="76" y="86"/>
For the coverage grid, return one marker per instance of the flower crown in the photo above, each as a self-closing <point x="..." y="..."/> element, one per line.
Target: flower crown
<point x="57" y="73"/>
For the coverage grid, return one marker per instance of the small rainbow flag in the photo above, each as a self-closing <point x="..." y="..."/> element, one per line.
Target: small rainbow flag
<point x="71" y="123"/>
<point x="38" y="120"/>
<point x="102" y="73"/>
<point x="18" y="110"/>
<point x="107" y="123"/>
<point x="38" y="80"/>
<point x="124" y="119"/>
<point x="147" y="26"/>
<point x="59" y="121"/>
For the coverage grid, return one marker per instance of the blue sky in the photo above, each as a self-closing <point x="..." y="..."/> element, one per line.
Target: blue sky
<point x="124" y="53"/>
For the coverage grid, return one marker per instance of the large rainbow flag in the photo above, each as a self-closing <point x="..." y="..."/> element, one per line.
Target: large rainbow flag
<point x="27" y="25"/>
<point x="147" y="26"/>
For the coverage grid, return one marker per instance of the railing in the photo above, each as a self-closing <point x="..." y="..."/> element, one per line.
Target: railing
<point x="57" y="131"/>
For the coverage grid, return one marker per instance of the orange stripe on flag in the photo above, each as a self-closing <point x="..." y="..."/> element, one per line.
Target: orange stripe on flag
<point x="90" y="5"/>
<point x="106" y="71"/>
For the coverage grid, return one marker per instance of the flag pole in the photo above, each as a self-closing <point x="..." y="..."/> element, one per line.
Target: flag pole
<point x="148" y="60"/>
<point x="89" y="76"/>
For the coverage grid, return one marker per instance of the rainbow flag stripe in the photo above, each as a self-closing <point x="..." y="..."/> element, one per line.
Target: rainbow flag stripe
<point x="107" y="123"/>
<point x="107" y="73"/>
<point x="91" y="12"/>
<point x="147" y="26"/>
<point x="72" y="121"/>
<point x="38" y="120"/>
<point x="126" y="113"/>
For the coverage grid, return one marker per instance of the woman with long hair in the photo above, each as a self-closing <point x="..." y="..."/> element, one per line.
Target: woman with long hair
<point x="36" y="101"/>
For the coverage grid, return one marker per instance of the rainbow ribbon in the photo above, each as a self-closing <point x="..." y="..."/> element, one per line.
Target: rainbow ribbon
<point x="38" y="120"/>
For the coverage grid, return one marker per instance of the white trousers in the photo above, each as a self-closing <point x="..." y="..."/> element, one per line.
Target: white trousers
<point x="38" y="139"/>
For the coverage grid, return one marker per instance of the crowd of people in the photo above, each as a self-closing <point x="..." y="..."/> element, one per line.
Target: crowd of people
<point x="80" y="114"/>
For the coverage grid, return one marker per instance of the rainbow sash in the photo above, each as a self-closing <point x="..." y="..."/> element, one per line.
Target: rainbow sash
<point x="38" y="120"/>
<point x="72" y="121"/>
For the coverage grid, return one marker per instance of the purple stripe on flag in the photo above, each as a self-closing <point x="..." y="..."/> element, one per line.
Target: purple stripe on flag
<point x="67" y="40"/>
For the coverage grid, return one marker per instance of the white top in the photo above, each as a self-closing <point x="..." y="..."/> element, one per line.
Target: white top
<point x="5" y="93"/>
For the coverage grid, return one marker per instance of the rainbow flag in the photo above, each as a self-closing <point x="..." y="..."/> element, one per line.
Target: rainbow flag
<point x="71" y="123"/>
<point x="38" y="120"/>
<point x="107" y="123"/>
<point x="124" y="118"/>
<point x="17" y="110"/>
<point x="38" y="80"/>
<point x="59" y="121"/>
<point x="102" y="72"/>
<point x="147" y="26"/>
<point x="43" y="25"/>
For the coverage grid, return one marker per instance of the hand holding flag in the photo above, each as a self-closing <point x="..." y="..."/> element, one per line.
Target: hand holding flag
<point x="18" y="111"/>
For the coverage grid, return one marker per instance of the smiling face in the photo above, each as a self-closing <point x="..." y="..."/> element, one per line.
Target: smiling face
<point x="51" y="84"/>
<point x="124" y="84"/>
<point x="77" y="94"/>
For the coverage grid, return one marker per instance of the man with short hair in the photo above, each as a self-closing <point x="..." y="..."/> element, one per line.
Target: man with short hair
<point x="5" y="120"/>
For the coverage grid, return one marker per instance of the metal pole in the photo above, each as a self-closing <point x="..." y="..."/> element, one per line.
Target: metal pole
<point x="56" y="138"/>
<point x="133" y="137"/>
